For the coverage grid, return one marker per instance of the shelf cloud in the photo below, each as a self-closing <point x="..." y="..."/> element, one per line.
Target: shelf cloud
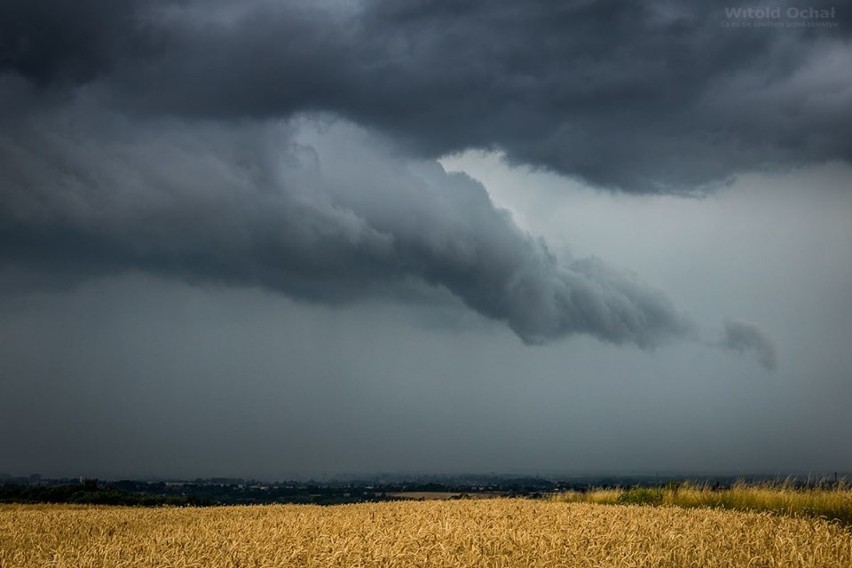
<point x="87" y="192"/>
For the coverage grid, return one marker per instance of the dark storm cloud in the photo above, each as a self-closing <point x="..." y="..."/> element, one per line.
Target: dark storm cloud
<point x="87" y="192"/>
<point x="749" y="337"/>
<point x="636" y="96"/>
<point x="160" y="137"/>
<point x="53" y="42"/>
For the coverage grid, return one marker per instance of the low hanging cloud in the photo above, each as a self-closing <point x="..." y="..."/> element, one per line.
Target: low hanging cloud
<point x="747" y="337"/>
<point x="324" y="212"/>
<point x="642" y="97"/>
<point x="171" y="137"/>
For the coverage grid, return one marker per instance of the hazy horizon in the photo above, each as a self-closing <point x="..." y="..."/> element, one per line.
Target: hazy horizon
<point x="449" y="476"/>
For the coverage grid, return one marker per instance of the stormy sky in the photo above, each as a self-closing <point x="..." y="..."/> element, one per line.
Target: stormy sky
<point x="287" y="238"/>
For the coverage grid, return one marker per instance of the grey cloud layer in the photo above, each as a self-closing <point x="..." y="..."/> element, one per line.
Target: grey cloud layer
<point x="635" y="96"/>
<point x="323" y="212"/>
<point x="160" y="137"/>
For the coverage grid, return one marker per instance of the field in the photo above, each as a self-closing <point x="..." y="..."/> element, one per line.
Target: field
<point x="474" y="533"/>
<point x="425" y="495"/>
<point x="831" y="502"/>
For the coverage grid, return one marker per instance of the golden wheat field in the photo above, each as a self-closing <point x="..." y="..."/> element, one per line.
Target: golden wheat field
<point x="829" y="502"/>
<point x="477" y="533"/>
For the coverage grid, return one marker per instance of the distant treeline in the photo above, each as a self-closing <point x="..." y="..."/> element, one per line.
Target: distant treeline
<point x="90" y="493"/>
<point x="242" y="492"/>
<point x="225" y="491"/>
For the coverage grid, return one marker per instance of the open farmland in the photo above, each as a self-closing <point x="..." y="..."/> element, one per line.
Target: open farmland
<point x="825" y="501"/>
<point x="476" y="533"/>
